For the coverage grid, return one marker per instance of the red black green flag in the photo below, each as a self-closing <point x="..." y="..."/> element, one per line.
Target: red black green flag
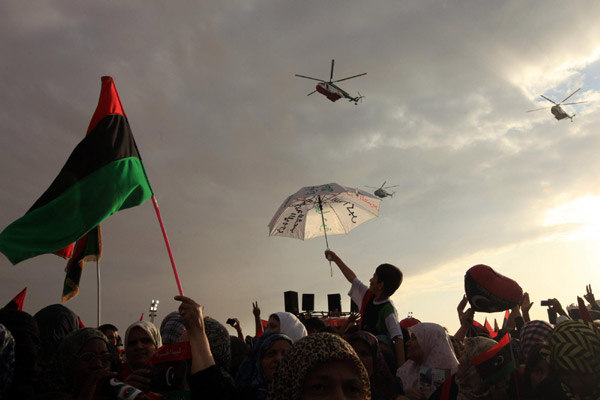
<point x="17" y="302"/>
<point x="103" y="175"/>
<point x="497" y="362"/>
<point x="88" y="248"/>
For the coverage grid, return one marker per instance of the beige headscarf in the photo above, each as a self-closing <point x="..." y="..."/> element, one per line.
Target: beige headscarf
<point x="437" y="353"/>
<point x="470" y="385"/>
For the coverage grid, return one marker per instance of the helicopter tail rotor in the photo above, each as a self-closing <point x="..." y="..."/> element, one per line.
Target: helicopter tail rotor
<point x="357" y="98"/>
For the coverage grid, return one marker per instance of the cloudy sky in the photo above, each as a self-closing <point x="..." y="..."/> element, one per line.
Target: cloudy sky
<point x="227" y="133"/>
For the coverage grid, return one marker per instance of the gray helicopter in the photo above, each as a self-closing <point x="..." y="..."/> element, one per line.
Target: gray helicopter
<point x="381" y="192"/>
<point x="557" y="110"/>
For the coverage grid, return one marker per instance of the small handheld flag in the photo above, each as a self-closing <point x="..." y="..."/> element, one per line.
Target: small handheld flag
<point x="17" y="302"/>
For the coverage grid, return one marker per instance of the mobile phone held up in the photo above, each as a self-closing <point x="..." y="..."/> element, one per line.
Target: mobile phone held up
<point x="230" y="321"/>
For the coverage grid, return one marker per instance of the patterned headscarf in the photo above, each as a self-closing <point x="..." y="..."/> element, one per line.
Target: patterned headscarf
<point x="7" y="359"/>
<point x="290" y="325"/>
<point x="307" y="354"/>
<point x="149" y="328"/>
<point x="437" y="353"/>
<point x="574" y="346"/>
<point x="24" y="330"/>
<point x="218" y="339"/>
<point x="470" y="385"/>
<point x="251" y="373"/>
<point x="532" y="333"/>
<point x="171" y="328"/>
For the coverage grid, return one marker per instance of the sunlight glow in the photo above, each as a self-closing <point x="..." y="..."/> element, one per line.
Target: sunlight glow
<point x="583" y="213"/>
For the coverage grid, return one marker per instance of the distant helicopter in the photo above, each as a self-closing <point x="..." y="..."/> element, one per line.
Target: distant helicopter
<point x="332" y="91"/>
<point x="557" y="110"/>
<point x="381" y="192"/>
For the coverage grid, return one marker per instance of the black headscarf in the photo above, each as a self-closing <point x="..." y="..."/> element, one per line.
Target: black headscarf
<point x="55" y="322"/>
<point x="27" y="346"/>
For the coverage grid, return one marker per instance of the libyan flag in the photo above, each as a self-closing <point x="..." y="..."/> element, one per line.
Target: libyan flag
<point x="103" y="175"/>
<point x="17" y="302"/>
<point x="87" y="248"/>
<point x="496" y="363"/>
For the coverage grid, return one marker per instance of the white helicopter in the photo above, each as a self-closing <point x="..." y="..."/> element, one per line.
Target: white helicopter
<point x="332" y="91"/>
<point x="557" y="110"/>
<point x="381" y="192"/>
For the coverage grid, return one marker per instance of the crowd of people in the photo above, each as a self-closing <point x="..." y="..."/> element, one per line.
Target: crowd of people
<point x="374" y="355"/>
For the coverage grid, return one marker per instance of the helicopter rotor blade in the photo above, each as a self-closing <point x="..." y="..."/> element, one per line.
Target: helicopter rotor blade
<point x="569" y="96"/>
<point x="538" y="109"/>
<point x="372" y="187"/>
<point x="308" y="77"/>
<point x="389" y="187"/>
<point x="383" y="184"/>
<point x="577" y="102"/>
<point x="311" y="92"/>
<point x="350" y="77"/>
<point x="331" y="76"/>
<point x="551" y="101"/>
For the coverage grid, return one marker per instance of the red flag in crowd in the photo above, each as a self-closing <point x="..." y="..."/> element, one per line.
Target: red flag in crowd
<point x="497" y="362"/>
<point x="17" y="302"/>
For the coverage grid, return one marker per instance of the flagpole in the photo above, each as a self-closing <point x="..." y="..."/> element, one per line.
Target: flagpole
<point x="514" y="363"/>
<point x="162" y="227"/>
<point x="99" y="286"/>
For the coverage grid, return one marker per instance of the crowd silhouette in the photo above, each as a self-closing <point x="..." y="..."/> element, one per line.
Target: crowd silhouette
<point x="373" y="355"/>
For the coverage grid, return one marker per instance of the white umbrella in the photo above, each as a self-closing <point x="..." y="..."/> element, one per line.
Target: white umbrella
<point x="343" y="209"/>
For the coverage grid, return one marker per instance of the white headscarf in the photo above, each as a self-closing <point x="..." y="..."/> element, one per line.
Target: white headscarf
<point x="437" y="353"/>
<point x="291" y="326"/>
<point x="149" y="328"/>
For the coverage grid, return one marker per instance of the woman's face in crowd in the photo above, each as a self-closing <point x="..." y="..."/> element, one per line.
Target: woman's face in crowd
<point x="273" y="325"/>
<point x="364" y="353"/>
<point x="112" y="336"/>
<point x="334" y="380"/>
<point x="93" y="355"/>
<point x="139" y="348"/>
<point x="271" y="358"/>
<point x="414" y="352"/>
<point x="539" y="373"/>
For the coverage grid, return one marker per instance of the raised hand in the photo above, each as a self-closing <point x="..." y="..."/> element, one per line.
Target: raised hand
<point x="589" y="295"/>
<point x="255" y="309"/>
<point x="461" y="307"/>
<point x="467" y="317"/>
<point x="554" y="305"/>
<point x="236" y="325"/>
<point x="355" y="316"/>
<point x="192" y="314"/>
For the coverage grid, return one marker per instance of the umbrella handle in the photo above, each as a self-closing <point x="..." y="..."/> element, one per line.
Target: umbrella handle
<point x="325" y="232"/>
<point x="330" y="267"/>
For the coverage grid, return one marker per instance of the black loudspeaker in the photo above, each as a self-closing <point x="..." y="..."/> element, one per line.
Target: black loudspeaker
<point x="291" y="301"/>
<point x="334" y="302"/>
<point x="308" y="302"/>
<point x="353" y="306"/>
